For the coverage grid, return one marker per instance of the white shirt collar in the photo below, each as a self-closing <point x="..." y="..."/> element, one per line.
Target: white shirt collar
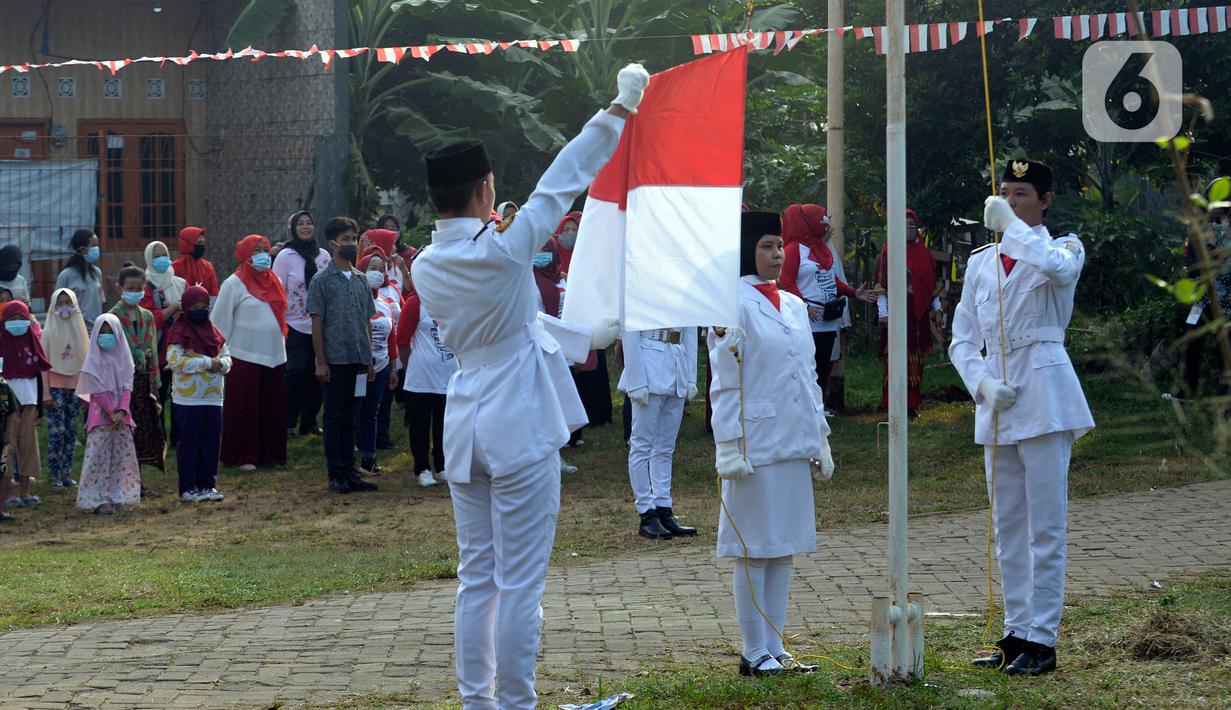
<point x="450" y="230"/>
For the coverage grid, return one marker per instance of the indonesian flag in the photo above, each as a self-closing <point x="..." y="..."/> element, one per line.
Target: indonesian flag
<point x="659" y="242"/>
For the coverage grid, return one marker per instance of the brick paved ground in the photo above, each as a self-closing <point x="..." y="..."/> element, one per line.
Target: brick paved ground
<point x="601" y="618"/>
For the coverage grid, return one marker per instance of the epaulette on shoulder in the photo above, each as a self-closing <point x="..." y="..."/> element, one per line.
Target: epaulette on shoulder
<point x="506" y="223"/>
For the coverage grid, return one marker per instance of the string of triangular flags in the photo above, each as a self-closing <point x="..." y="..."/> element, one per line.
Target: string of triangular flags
<point x="327" y="56"/>
<point x="935" y="36"/>
<point x="925" y="37"/>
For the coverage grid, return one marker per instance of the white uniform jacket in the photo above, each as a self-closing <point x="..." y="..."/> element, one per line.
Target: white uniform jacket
<point x="663" y="367"/>
<point x="513" y="397"/>
<point x="1038" y="304"/>
<point x="783" y="412"/>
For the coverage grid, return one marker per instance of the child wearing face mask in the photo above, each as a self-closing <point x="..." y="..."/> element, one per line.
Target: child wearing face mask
<point x="141" y="337"/>
<point x="199" y="362"/>
<point x="24" y="364"/>
<point x="163" y="291"/>
<point x="384" y="359"/>
<point x="65" y="342"/>
<point x="110" y="474"/>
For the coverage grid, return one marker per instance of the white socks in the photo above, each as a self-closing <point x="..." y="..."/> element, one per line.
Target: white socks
<point x="770" y="584"/>
<point x="777" y="589"/>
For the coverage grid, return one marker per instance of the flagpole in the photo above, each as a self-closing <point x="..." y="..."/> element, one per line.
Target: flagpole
<point x="835" y="122"/>
<point x="898" y="656"/>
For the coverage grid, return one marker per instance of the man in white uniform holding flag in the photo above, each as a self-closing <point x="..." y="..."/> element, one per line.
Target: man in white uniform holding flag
<point x="512" y="404"/>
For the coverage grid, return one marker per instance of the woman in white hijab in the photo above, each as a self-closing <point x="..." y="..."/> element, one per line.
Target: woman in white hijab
<point x="163" y="291"/>
<point x="65" y="342"/>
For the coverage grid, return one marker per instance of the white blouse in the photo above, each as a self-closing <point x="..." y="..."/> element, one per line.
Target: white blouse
<point x="248" y="324"/>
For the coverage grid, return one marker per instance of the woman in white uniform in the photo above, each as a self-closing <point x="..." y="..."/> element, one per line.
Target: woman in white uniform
<point x="772" y="440"/>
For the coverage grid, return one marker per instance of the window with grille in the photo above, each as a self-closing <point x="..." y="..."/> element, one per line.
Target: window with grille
<point x="140" y="182"/>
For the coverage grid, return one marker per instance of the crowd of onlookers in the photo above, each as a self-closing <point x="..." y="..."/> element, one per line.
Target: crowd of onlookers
<point x="325" y="318"/>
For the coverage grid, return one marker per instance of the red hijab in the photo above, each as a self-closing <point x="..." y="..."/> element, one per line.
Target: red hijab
<point x="201" y="338"/>
<point x="23" y="354"/>
<point x="919" y="265"/>
<point x="548" y="279"/>
<point x="369" y="254"/>
<point x="187" y="267"/>
<point x="808" y="225"/>
<point x="263" y="285"/>
<point x="386" y="239"/>
<point x="566" y="255"/>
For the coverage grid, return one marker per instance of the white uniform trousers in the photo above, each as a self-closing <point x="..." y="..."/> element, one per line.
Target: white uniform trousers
<point x="505" y="530"/>
<point x="1031" y="516"/>
<point x="656" y="424"/>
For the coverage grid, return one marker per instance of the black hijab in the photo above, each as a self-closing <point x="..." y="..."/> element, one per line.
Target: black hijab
<point x="10" y="262"/>
<point x="307" y="248"/>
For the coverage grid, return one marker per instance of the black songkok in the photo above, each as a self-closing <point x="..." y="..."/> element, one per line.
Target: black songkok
<point x="457" y="164"/>
<point x="1035" y="173"/>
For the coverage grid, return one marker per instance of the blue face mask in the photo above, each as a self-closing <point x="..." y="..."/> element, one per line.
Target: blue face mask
<point x="161" y="264"/>
<point x="132" y="298"/>
<point x="93" y="254"/>
<point x="542" y="260"/>
<point x="17" y="327"/>
<point x="107" y="341"/>
<point x="261" y="261"/>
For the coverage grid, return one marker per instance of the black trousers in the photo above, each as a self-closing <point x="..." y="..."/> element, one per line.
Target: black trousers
<point x="303" y="390"/>
<point x="339" y="422"/>
<point x="425" y="412"/>
<point x="824" y="349"/>
<point x="385" y="412"/>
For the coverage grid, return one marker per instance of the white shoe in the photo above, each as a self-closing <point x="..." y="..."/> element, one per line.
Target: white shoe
<point x="248" y="467"/>
<point x="566" y="467"/>
<point x="426" y="479"/>
<point x="190" y="496"/>
<point x="211" y="494"/>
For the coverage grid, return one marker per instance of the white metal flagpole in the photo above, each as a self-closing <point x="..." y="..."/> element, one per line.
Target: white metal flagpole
<point x="904" y="653"/>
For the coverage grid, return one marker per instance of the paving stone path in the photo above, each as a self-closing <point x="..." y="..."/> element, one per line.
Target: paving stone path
<point x="601" y="618"/>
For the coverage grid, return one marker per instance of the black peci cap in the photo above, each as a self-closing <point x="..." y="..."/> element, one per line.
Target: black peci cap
<point x="457" y="164"/>
<point x="1030" y="171"/>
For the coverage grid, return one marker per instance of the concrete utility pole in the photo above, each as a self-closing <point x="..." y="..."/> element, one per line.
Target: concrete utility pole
<point x="897" y="621"/>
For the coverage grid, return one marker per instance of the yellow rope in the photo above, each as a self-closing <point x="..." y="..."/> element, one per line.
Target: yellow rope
<point x="991" y="151"/>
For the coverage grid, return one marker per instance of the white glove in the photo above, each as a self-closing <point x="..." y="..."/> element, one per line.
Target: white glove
<point x="604" y="334"/>
<point x="822" y="466"/>
<point x="692" y="391"/>
<point x="631" y="81"/>
<point x="640" y="396"/>
<point x="732" y="337"/>
<point x="996" y="394"/>
<point x="730" y="462"/>
<point x="997" y="214"/>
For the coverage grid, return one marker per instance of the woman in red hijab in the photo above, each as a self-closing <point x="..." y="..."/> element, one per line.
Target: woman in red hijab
<point x="386" y="241"/>
<point x="812" y="271"/>
<point x="566" y="235"/>
<point x="24" y="365"/>
<point x="192" y="266"/>
<point x="920" y="300"/>
<point x="251" y="315"/>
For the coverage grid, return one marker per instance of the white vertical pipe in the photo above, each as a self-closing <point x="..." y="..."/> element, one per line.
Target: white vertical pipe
<point x="895" y="165"/>
<point x="835" y="124"/>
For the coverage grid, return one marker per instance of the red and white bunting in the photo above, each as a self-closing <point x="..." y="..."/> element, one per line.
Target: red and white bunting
<point x="957" y="31"/>
<point x="1025" y="26"/>
<point x="391" y="55"/>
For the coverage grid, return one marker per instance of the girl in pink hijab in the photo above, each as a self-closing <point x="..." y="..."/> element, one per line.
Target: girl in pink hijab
<point x="110" y="474"/>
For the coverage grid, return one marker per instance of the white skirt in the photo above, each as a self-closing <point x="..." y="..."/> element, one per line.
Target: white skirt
<point x="773" y="510"/>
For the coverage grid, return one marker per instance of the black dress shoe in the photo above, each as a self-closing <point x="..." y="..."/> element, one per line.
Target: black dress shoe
<point x="1036" y="659"/>
<point x="1009" y="648"/>
<point x="667" y="518"/>
<point x="359" y="485"/>
<point x="652" y="527"/>
<point x="747" y="667"/>
<point x="339" y="485"/>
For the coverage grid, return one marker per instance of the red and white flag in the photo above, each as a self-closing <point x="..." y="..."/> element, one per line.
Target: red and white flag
<point x="659" y="240"/>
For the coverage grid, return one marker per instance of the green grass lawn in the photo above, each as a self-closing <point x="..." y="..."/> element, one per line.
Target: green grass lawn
<point x="1159" y="649"/>
<point x="280" y="537"/>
